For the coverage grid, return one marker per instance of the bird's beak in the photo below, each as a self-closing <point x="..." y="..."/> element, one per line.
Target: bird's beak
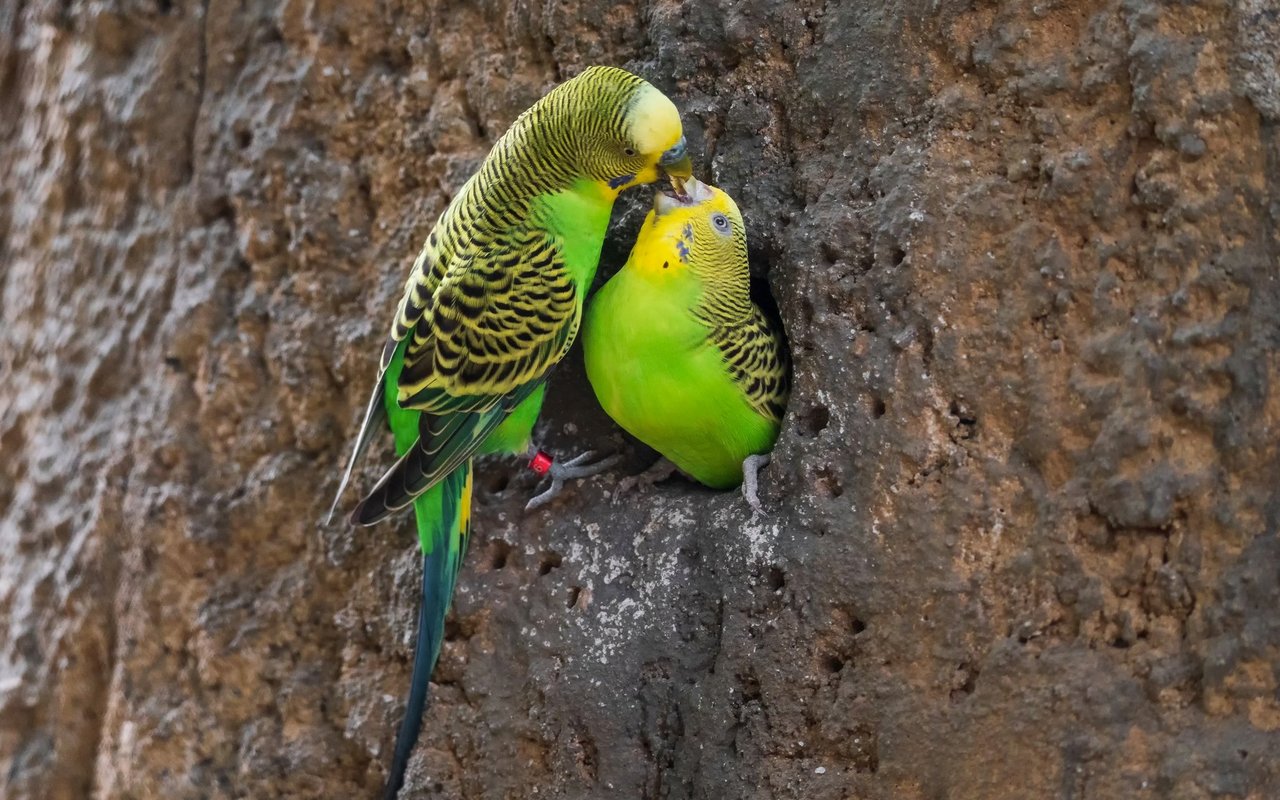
<point x="675" y="164"/>
<point x="695" y="192"/>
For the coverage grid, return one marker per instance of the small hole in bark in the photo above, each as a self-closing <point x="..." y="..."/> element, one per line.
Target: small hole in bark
<point x="574" y="593"/>
<point x="832" y="664"/>
<point x="867" y="258"/>
<point x="877" y="407"/>
<point x="816" y="420"/>
<point x="962" y="415"/>
<point x="1121" y="643"/>
<point x="498" y="552"/>
<point x="1242" y="753"/>
<point x="858" y="626"/>
<point x="497" y="482"/>
<point x="777" y="578"/>
<point x="969" y="676"/>
<point x="244" y="138"/>
<point x="396" y="59"/>
<point x="899" y="255"/>
<point x="829" y="482"/>
<point x="218" y="208"/>
<point x="830" y="253"/>
<point x="549" y="562"/>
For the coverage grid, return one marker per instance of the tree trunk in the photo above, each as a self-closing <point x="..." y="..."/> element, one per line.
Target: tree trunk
<point x="1022" y="533"/>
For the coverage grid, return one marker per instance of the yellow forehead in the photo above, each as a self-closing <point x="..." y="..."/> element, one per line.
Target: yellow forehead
<point x="719" y="201"/>
<point x="654" y="122"/>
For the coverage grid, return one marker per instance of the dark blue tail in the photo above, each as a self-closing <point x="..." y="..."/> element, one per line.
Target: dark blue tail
<point x="444" y="524"/>
<point x="430" y="632"/>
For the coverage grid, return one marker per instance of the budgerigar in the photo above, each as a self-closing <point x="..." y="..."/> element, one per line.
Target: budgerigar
<point x="493" y="302"/>
<point x="677" y="352"/>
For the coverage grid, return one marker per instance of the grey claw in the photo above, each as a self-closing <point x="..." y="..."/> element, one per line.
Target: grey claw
<point x="750" y="480"/>
<point x="541" y="499"/>
<point x="576" y="468"/>
<point x="572" y="469"/>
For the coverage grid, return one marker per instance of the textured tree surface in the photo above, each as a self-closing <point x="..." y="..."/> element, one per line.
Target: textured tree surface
<point x="1022" y="539"/>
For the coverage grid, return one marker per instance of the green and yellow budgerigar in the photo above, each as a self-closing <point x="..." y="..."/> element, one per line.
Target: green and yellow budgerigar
<point x="493" y="302"/>
<point x="677" y="352"/>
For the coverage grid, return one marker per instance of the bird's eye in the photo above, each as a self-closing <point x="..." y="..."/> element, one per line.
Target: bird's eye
<point x="721" y="222"/>
<point x="629" y="152"/>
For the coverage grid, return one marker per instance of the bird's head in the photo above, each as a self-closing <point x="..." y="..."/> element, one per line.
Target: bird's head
<point x="627" y="133"/>
<point x="700" y="229"/>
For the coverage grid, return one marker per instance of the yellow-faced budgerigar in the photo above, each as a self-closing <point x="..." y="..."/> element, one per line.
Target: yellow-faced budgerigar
<point x="493" y="302"/>
<point x="677" y="352"/>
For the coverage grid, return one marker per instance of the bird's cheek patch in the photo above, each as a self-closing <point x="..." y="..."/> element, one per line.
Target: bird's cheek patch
<point x="684" y="242"/>
<point x="682" y="247"/>
<point x="621" y="180"/>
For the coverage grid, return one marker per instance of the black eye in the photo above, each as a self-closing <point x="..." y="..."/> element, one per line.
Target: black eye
<point x="720" y="221"/>
<point x="629" y="152"/>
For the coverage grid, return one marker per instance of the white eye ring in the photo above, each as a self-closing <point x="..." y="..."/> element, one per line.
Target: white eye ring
<point x="721" y="222"/>
<point x="629" y="152"/>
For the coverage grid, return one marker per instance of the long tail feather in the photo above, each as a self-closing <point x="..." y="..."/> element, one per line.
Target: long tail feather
<point x="444" y="527"/>
<point x="374" y="415"/>
<point x="424" y="661"/>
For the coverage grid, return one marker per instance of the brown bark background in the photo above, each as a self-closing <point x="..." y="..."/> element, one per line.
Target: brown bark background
<point x="1023" y="531"/>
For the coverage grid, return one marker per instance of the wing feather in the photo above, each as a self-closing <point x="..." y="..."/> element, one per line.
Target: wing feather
<point x="757" y="361"/>
<point x="445" y="442"/>
<point x="500" y="318"/>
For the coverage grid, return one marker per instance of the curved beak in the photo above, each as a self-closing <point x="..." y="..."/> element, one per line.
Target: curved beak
<point x="695" y="192"/>
<point x="675" y="164"/>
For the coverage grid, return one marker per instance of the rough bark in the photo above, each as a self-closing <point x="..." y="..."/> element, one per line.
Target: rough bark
<point x="1023" y="531"/>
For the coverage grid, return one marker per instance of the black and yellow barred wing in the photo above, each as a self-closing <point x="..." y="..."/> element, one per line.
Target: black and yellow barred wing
<point x="500" y="318"/>
<point x="757" y="360"/>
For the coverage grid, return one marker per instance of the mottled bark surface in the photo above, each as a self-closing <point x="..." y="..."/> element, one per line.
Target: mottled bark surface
<point x="1023" y="531"/>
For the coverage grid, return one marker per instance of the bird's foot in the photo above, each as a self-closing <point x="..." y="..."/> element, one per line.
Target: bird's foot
<point x="576" y="467"/>
<point x="659" y="471"/>
<point x="751" y="479"/>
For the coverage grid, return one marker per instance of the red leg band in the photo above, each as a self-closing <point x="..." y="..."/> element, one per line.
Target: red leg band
<point x="540" y="463"/>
